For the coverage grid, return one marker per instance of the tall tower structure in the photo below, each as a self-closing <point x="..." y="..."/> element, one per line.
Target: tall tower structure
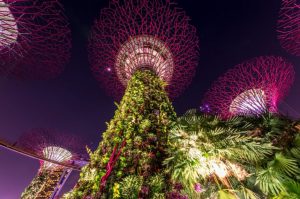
<point x="56" y="147"/>
<point x="148" y="49"/>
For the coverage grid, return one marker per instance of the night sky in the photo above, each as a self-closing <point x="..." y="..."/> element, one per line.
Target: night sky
<point x="230" y="32"/>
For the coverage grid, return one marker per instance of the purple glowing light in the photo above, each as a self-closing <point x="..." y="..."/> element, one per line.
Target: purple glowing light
<point x="35" y="40"/>
<point x="132" y="35"/>
<point x="52" y="145"/>
<point x="14" y="42"/>
<point x="251" y="88"/>
<point x="288" y="27"/>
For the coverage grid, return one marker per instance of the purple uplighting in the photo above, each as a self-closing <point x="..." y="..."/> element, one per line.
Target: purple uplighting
<point x="132" y="35"/>
<point x="251" y="88"/>
<point x="14" y="41"/>
<point x="289" y="26"/>
<point x="35" y="41"/>
<point x="53" y="145"/>
<point x="54" y="54"/>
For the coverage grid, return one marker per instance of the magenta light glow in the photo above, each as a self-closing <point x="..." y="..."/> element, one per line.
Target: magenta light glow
<point x="52" y="145"/>
<point x="289" y="26"/>
<point x="14" y="41"/>
<point x="251" y="88"/>
<point x="132" y="35"/>
<point x="35" y="39"/>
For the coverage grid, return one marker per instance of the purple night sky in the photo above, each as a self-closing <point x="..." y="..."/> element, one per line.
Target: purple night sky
<point x="230" y="32"/>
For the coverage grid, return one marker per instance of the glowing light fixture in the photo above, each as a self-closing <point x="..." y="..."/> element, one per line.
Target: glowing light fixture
<point x="144" y="52"/>
<point x="249" y="102"/>
<point x="251" y="88"/>
<point x="56" y="153"/>
<point x="8" y="26"/>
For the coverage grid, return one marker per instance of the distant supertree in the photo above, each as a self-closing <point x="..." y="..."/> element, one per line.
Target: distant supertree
<point x="251" y="88"/>
<point x="35" y="38"/>
<point x="55" y="146"/>
<point x="13" y="38"/>
<point x="289" y="26"/>
<point x="138" y="34"/>
<point x="143" y="46"/>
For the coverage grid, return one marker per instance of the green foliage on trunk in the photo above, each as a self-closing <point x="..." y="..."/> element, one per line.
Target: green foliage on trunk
<point x="35" y="186"/>
<point x="143" y="119"/>
<point x="242" y="157"/>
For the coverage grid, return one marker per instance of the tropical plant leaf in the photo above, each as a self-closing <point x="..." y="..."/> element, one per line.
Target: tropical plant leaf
<point x="246" y="193"/>
<point x="199" y="140"/>
<point x="270" y="182"/>
<point x="292" y="188"/>
<point x="297" y="141"/>
<point x="224" y="194"/>
<point x="130" y="186"/>
<point x="295" y="152"/>
<point x="285" y="165"/>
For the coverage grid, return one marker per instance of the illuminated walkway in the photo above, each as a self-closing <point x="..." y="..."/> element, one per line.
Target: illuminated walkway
<point x="75" y="165"/>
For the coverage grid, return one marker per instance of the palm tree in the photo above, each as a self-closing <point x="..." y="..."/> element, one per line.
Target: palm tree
<point x="242" y="157"/>
<point x="281" y="170"/>
<point x="215" y="153"/>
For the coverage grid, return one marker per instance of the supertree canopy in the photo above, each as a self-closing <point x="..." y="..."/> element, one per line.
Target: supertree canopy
<point x="55" y="146"/>
<point x="35" y="39"/>
<point x="13" y="41"/>
<point x="147" y="47"/>
<point x="251" y="88"/>
<point x="8" y="27"/>
<point x="137" y="34"/>
<point x="289" y="26"/>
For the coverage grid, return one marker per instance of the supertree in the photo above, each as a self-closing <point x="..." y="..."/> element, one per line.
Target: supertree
<point x="251" y="88"/>
<point x="35" y="39"/>
<point x="147" y="47"/>
<point x="13" y="42"/>
<point x="141" y="34"/>
<point x="55" y="146"/>
<point x="289" y="26"/>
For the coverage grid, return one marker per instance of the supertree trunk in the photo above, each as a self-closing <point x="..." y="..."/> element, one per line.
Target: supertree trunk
<point x="44" y="185"/>
<point x="128" y="161"/>
<point x="50" y="144"/>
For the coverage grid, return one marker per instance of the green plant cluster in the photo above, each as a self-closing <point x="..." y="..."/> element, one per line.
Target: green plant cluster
<point x="143" y="119"/>
<point x="195" y="156"/>
<point x="35" y="186"/>
<point x="242" y="157"/>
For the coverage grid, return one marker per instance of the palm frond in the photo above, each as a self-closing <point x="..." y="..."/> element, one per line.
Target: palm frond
<point x="246" y="193"/>
<point x="285" y="165"/>
<point x="239" y="122"/>
<point x="297" y="141"/>
<point x="295" y="152"/>
<point x="202" y="144"/>
<point x="292" y="188"/>
<point x="270" y="181"/>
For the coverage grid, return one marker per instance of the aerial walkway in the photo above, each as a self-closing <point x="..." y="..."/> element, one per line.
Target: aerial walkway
<point x="74" y="165"/>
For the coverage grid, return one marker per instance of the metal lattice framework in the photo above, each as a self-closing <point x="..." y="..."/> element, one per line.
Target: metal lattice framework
<point x="289" y="26"/>
<point x="137" y="34"/>
<point x="52" y="145"/>
<point x="35" y="38"/>
<point x="13" y="38"/>
<point x="251" y="88"/>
